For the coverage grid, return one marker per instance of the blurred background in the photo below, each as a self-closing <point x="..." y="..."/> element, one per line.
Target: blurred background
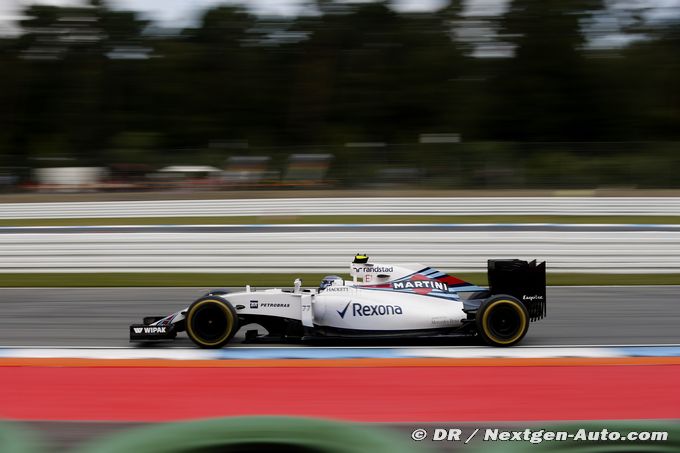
<point x="568" y="109"/>
<point x="179" y="95"/>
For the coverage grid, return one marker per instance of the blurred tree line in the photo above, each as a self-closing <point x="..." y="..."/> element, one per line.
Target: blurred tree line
<point x="528" y="87"/>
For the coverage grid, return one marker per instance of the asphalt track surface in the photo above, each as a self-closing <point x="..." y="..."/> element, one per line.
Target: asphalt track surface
<point x="99" y="317"/>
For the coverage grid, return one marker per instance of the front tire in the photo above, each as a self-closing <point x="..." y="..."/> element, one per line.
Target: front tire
<point x="502" y="320"/>
<point x="211" y="322"/>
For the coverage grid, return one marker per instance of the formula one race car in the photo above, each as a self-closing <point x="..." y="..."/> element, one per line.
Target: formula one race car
<point x="381" y="300"/>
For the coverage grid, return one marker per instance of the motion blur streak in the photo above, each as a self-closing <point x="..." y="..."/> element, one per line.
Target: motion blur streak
<point x="397" y="394"/>
<point x="325" y="205"/>
<point x="338" y="363"/>
<point x="539" y="93"/>
<point x="259" y="250"/>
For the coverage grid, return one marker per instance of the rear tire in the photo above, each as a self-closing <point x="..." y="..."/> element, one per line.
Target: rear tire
<point x="502" y="320"/>
<point x="211" y="322"/>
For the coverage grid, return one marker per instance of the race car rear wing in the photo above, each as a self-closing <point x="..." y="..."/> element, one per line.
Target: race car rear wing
<point x="521" y="279"/>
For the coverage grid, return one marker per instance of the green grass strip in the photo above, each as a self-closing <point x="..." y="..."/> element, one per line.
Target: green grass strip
<point x="283" y="280"/>
<point x="340" y="219"/>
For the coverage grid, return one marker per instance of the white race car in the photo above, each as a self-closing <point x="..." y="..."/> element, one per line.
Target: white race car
<point x="381" y="300"/>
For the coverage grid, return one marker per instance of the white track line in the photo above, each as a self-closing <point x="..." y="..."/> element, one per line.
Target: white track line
<point x="296" y="346"/>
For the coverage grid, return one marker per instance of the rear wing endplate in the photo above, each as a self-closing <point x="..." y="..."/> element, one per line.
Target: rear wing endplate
<point x="521" y="279"/>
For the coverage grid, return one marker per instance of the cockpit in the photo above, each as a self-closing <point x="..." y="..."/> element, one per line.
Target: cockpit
<point x="330" y="280"/>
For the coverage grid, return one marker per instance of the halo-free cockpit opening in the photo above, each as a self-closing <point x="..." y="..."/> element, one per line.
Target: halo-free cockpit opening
<point x="330" y="280"/>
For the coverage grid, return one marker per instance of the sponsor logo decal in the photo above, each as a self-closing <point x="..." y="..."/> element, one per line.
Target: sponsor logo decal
<point x="344" y="310"/>
<point x="339" y="288"/>
<point x="443" y="322"/>
<point x="274" y="305"/>
<point x="372" y="269"/>
<point x="253" y="304"/>
<point x="421" y="284"/>
<point x="530" y="298"/>
<point x="362" y="310"/>
<point x="149" y="330"/>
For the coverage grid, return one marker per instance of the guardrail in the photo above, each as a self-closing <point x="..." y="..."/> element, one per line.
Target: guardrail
<point x="329" y="248"/>
<point x="349" y="206"/>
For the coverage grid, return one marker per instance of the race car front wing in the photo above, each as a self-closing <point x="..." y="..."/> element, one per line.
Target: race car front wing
<point x="143" y="332"/>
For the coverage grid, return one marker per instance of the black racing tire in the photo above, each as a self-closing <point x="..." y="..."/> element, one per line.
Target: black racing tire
<point x="211" y="322"/>
<point x="502" y="320"/>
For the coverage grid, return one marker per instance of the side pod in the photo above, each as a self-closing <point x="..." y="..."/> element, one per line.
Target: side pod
<point x="521" y="279"/>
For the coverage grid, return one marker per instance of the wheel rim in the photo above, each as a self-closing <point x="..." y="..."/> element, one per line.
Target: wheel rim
<point x="504" y="321"/>
<point x="211" y="322"/>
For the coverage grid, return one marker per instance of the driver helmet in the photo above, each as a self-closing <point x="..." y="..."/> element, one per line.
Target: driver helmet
<point x="330" y="280"/>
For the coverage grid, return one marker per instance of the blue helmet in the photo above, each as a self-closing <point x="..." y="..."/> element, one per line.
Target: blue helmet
<point x="328" y="281"/>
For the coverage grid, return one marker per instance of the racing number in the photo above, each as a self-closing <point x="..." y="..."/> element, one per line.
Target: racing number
<point x="306" y="312"/>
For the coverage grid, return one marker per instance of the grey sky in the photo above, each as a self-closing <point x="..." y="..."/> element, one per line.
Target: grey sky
<point x="181" y="13"/>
